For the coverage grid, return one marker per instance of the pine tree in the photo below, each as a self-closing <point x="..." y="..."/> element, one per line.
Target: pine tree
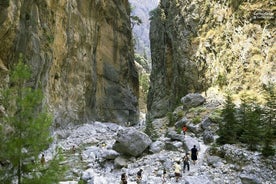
<point x="251" y="124"/>
<point x="269" y="122"/>
<point x="242" y="117"/>
<point x="27" y="124"/>
<point x="228" y="129"/>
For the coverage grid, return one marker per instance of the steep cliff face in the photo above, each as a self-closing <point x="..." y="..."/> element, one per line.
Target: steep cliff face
<point x="80" y="52"/>
<point x="200" y="44"/>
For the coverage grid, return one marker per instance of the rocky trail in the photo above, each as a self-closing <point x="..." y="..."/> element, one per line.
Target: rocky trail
<point x="96" y="162"/>
<point x="93" y="159"/>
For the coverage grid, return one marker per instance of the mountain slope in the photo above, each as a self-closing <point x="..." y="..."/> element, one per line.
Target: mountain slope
<point x="80" y="53"/>
<point x="198" y="44"/>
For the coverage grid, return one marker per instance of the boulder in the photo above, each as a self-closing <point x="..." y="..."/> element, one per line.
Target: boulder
<point x="208" y="137"/>
<point x="129" y="141"/>
<point x="192" y="100"/>
<point x="180" y="123"/>
<point x="174" y="136"/>
<point x="214" y="161"/>
<point x="206" y="123"/>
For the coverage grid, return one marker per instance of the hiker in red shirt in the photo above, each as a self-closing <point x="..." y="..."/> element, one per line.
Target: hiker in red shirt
<point x="184" y="129"/>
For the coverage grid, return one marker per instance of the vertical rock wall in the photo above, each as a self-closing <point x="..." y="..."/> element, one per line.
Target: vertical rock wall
<point x="80" y="53"/>
<point x="198" y="44"/>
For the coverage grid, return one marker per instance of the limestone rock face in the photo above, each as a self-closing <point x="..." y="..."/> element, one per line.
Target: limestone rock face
<point x="200" y="44"/>
<point x="80" y="53"/>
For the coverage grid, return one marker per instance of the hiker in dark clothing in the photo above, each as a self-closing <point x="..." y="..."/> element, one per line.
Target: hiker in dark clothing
<point x="186" y="161"/>
<point x="139" y="176"/>
<point x="42" y="159"/>
<point x="123" y="179"/>
<point x="164" y="176"/>
<point x="194" y="153"/>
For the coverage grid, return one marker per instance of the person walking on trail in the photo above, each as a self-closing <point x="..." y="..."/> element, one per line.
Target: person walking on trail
<point x="139" y="176"/>
<point x="177" y="170"/>
<point x="184" y="129"/>
<point x="123" y="179"/>
<point x="186" y="163"/>
<point x="194" y="153"/>
<point x="164" y="176"/>
<point x="42" y="160"/>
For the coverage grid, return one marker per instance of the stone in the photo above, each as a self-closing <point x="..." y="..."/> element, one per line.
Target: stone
<point x="131" y="142"/>
<point x="192" y="100"/>
<point x="181" y="123"/>
<point x="206" y="123"/>
<point x="175" y="136"/>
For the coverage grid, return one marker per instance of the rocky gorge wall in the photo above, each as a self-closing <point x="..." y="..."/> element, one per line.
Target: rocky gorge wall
<point x="80" y="53"/>
<point x="198" y="44"/>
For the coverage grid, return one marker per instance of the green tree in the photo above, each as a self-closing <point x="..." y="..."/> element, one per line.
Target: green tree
<point x="269" y="122"/>
<point x="229" y="126"/>
<point x="252" y="121"/>
<point x="25" y="128"/>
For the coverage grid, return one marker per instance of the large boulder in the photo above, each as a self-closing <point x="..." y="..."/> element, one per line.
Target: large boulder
<point x="192" y="100"/>
<point x="129" y="141"/>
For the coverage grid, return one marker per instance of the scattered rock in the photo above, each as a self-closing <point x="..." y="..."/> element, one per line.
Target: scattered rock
<point x="120" y="162"/>
<point x="249" y="179"/>
<point x="157" y="146"/>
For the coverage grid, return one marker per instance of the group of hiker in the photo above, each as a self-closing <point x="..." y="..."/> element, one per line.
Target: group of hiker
<point x="177" y="165"/>
<point x="177" y="168"/>
<point x="186" y="163"/>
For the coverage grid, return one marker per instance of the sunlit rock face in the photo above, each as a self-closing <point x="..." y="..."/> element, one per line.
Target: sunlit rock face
<point x="80" y="53"/>
<point x="199" y="44"/>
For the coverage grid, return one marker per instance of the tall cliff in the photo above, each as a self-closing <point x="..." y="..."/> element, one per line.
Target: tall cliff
<point x="80" y="53"/>
<point x="198" y="44"/>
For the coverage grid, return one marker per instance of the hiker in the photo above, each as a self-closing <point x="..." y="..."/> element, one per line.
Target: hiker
<point x="164" y="176"/>
<point x="186" y="162"/>
<point x="194" y="153"/>
<point x="177" y="169"/>
<point x="184" y="129"/>
<point x="42" y="159"/>
<point x="139" y="176"/>
<point x="73" y="149"/>
<point x="123" y="179"/>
